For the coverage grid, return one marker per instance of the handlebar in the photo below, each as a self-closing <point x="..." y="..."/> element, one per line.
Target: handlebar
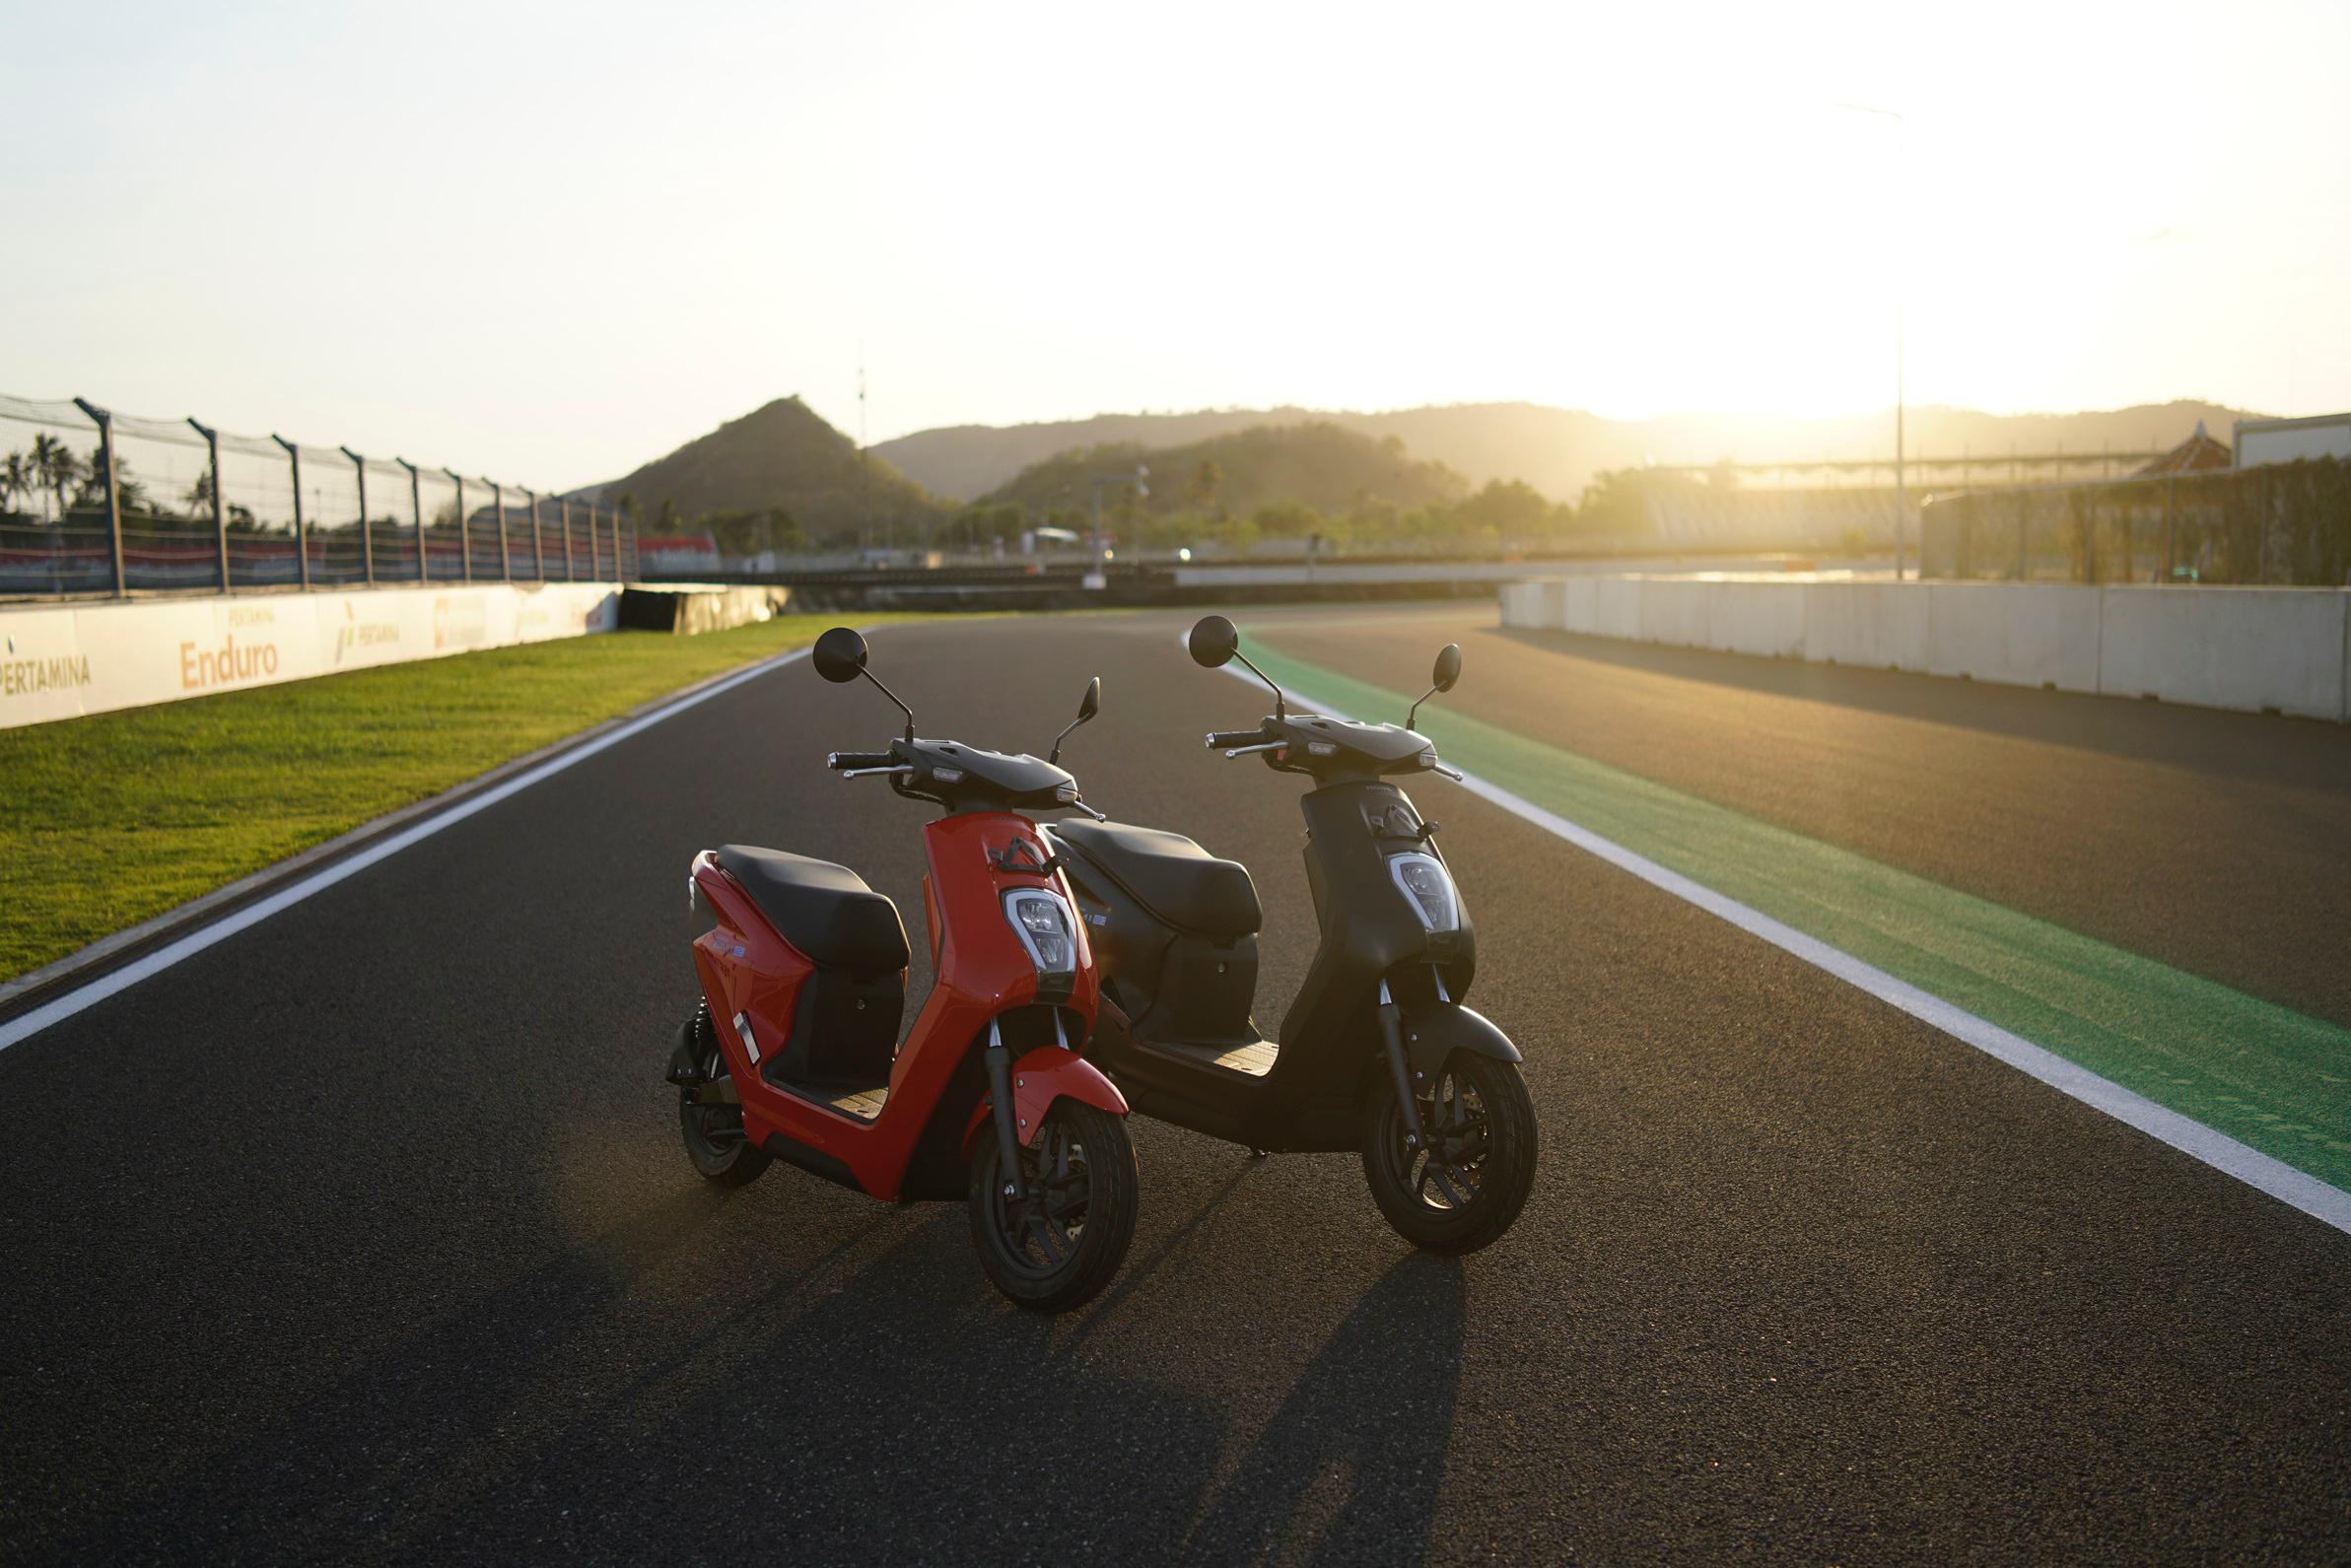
<point x="844" y="761"/>
<point x="1218" y="739"/>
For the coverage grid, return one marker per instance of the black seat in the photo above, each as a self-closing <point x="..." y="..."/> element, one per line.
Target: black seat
<point x="1171" y="876"/>
<point x="826" y="910"/>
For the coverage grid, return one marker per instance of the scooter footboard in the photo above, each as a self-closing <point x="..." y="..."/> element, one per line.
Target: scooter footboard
<point x="1430" y="1035"/>
<point x="1040" y="1077"/>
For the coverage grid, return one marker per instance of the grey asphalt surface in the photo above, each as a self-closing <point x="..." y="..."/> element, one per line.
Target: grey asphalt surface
<point x="2218" y="843"/>
<point x="365" y="1235"/>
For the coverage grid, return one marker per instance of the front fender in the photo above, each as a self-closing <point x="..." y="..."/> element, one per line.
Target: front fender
<point x="1432" y="1035"/>
<point x="1040" y="1077"/>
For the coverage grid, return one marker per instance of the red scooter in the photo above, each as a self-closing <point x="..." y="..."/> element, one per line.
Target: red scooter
<point x="793" y="1053"/>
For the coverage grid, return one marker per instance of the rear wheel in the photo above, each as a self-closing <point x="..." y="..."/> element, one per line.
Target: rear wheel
<point x="1462" y="1186"/>
<point x="1057" y="1245"/>
<point x="714" y="1135"/>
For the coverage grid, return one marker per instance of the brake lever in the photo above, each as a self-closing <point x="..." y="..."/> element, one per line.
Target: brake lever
<point x="1243" y="751"/>
<point x="1098" y="816"/>
<point x="868" y="773"/>
<point x="1453" y="773"/>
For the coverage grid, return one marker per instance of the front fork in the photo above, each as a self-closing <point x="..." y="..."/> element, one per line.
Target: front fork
<point x="1392" y="1035"/>
<point x="1000" y="1092"/>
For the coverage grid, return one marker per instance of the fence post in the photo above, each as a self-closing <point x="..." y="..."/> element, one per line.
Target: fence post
<point x="105" y="453"/>
<point x="505" y="572"/>
<point x="464" y="527"/>
<point x="302" y="537"/>
<point x="538" y="544"/>
<point x="220" y="505"/>
<point x="564" y="503"/>
<point x="595" y="562"/>
<point x="2260" y="529"/>
<point x="367" y="535"/>
<point x="416" y="509"/>
<point x="2023" y="529"/>
<point x="2171" y="527"/>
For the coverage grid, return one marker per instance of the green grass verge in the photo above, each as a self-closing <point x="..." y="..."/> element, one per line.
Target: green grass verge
<point x="118" y="817"/>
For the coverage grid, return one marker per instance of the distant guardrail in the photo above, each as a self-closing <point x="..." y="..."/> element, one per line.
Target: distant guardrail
<point x="2274" y="649"/>
<point x="99" y="503"/>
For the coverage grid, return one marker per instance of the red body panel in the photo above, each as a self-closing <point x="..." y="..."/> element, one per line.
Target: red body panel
<point x="983" y="971"/>
<point x="1042" y="1076"/>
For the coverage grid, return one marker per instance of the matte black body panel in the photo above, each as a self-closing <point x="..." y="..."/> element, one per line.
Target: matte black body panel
<point x="1165" y="987"/>
<point x="1432" y="1035"/>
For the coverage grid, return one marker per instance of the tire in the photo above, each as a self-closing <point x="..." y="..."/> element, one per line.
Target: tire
<point x="716" y="1143"/>
<point x="1057" y="1245"/>
<point x="1481" y="1107"/>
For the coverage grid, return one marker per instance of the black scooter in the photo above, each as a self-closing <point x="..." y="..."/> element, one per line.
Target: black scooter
<point x="1377" y="1054"/>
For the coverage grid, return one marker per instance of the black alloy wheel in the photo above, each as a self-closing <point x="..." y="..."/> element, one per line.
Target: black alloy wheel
<point x="1057" y="1242"/>
<point x="1460" y="1187"/>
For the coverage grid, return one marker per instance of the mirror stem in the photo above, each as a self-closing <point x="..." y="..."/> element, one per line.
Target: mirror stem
<point x="1278" y="711"/>
<point x="1414" y="711"/>
<point x="893" y="697"/>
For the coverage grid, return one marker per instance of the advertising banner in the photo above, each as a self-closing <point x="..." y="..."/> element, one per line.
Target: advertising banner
<point x="66" y="661"/>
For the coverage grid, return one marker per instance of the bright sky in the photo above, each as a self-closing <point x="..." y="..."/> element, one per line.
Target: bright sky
<point x="546" y="243"/>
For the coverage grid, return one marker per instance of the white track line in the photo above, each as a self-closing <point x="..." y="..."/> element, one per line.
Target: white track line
<point x="2329" y="1205"/>
<point x="26" y="1025"/>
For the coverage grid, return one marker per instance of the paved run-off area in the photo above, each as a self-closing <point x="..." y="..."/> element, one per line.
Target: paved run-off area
<point x="364" y="1234"/>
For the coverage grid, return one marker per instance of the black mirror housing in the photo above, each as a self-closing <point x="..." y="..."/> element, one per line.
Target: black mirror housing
<point x="1448" y="667"/>
<point x="839" y="654"/>
<point x="1087" y="706"/>
<point x="1214" y="642"/>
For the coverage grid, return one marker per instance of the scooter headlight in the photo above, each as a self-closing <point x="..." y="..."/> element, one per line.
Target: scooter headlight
<point x="1429" y="891"/>
<point x="1045" y="929"/>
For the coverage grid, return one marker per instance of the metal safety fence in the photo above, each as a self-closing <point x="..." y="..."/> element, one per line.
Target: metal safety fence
<point x="98" y="502"/>
<point x="2279" y="524"/>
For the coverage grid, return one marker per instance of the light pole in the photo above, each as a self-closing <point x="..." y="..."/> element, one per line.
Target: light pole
<point x="1902" y="507"/>
<point x="1102" y="481"/>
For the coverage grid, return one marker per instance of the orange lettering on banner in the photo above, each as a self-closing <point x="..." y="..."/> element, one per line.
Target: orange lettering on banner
<point x="202" y="667"/>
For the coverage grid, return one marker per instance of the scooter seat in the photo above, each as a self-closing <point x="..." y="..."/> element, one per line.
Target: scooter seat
<point x="826" y="910"/>
<point x="1171" y="876"/>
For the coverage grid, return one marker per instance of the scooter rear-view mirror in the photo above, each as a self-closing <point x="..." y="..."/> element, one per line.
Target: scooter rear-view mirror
<point x="839" y="654"/>
<point x="1087" y="706"/>
<point x="1447" y="671"/>
<point x="1214" y="642"/>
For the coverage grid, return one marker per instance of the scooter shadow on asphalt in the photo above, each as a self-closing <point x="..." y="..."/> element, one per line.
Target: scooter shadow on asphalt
<point x="943" y="1407"/>
<point x="405" y="1423"/>
<point x="1348" y="1469"/>
<point x="894" y="1406"/>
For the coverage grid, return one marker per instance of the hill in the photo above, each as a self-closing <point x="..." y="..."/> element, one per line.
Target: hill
<point x="1557" y="451"/>
<point x="781" y="457"/>
<point x="1320" y="465"/>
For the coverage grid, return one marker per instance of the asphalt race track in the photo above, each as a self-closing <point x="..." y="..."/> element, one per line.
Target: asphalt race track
<point x="365" y="1235"/>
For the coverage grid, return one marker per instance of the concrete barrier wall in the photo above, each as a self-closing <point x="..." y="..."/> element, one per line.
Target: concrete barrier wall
<point x="2018" y="634"/>
<point x="2281" y="650"/>
<point x="69" y="660"/>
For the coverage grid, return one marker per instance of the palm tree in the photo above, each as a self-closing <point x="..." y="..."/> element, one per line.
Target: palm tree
<point x="56" y="467"/>
<point x="17" y="478"/>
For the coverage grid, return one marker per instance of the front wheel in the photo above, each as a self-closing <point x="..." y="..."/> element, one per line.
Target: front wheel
<point x="1462" y="1187"/>
<point x="1057" y="1244"/>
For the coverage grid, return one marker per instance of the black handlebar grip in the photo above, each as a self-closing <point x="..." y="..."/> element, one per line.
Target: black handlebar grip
<point x="1221" y="738"/>
<point x="843" y="761"/>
